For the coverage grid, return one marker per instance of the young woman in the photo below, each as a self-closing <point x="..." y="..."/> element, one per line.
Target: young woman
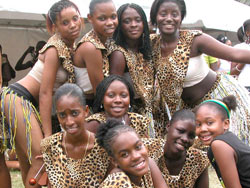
<point x="131" y="55"/>
<point x="181" y="165"/>
<point x="19" y="101"/>
<point x="129" y="155"/>
<point x="229" y="156"/>
<point x="73" y="158"/>
<point x="91" y="58"/>
<point x="239" y="69"/>
<point x="114" y="95"/>
<point x="184" y="78"/>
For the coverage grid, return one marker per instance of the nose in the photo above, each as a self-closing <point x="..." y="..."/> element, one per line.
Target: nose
<point x="69" y="121"/>
<point x="135" y="155"/>
<point x="72" y="24"/>
<point x="109" y="22"/>
<point x="133" y="23"/>
<point x="118" y="99"/>
<point x="184" y="138"/>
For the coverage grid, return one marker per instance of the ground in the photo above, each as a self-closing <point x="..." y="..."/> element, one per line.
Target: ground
<point x="17" y="180"/>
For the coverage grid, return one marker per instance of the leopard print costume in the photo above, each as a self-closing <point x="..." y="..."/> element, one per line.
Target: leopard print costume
<point x="196" y="162"/>
<point x="67" y="172"/>
<point x="121" y="180"/>
<point x="142" y="75"/>
<point x="137" y="121"/>
<point x="92" y="37"/>
<point x="64" y="53"/>
<point x="171" y="71"/>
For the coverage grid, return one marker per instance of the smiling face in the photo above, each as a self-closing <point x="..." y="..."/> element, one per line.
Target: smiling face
<point x="209" y="123"/>
<point x="132" y="24"/>
<point x="68" y="24"/>
<point x="168" y="18"/>
<point x="104" y="19"/>
<point x="71" y="114"/>
<point x="116" y="99"/>
<point x="130" y="154"/>
<point x="181" y="136"/>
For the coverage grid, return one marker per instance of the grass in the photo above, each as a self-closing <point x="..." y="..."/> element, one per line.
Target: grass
<point x="17" y="179"/>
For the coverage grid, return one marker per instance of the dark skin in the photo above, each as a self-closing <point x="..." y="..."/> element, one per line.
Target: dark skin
<point x="201" y="44"/>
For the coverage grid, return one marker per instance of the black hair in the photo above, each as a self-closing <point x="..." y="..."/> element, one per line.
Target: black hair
<point x="0" y="48"/>
<point x="104" y="85"/>
<point x="183" y="114"/>
<point x="222" y="38"/>
<point x="5" y="55"/>
<point x="107" y="132"/>
<point x="120" y="39"/>
<point x="241" y="33"/>
<point x="93" y="3"/>
<point x="55" y="10"/>
<point x="229" y="100"/>
<point x="157" y="3"/>
<point x="71" y="90"/>
<point x="40" y="44"/>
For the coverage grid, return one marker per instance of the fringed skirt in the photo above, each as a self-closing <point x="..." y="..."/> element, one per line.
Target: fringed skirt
<point x="240" y="118"/>
<point x="8" y="126"/>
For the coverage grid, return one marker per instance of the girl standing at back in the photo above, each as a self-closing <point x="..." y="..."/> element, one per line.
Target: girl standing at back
<point x="91" y="59"/>
<point x="19" y="101"/>
<point x="229" y="156"/>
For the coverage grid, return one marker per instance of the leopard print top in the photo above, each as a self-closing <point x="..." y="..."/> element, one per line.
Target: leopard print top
<point x="137" y="121"/>
<point x="142" y="75"/>
<point x="121" y="180"/>
<point x="196" y="162"/>
<point x="92" y="37"/>
<point x="67" y="172"/>
<point x="64" y="53"/>
<point x="171" y="70"/>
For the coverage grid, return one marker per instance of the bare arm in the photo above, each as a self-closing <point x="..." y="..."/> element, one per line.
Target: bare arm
<point x="226" y="159"/>
<point x="156" y="174"/>
<point x="203" y="180"/>
<point x="117" y="63"/>
<point x="51" y="65"/>
<point x="92" y="126"/>
<point x="210" y="46"/>
<point x="88" y="56"/>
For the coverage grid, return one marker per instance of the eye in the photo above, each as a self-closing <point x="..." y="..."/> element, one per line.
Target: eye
<point x="139" y="146"/>
<point x="126" y="21"/>
<point x="65" y="22"/>
<point x="175" y="14"/>
<point x="197" y="124"/>
<point x="210" y="122"/>
<point x="102" y="18"/>
<point x="138" y="20"/>
<point x="75" y="113"/>
<point x="124" y="95"/>
<point x="110" y="95"/>
<point x="76" y="18"/>
<point x="124" y="154"/>
<point x="114" y="16"/>
<point x="181" y="131"/>
<point x="61" y="115"/>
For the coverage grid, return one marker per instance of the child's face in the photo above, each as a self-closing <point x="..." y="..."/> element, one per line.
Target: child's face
<point x="130" y="154"/>
<point x="181" y="136"/>
<point x="71" y="114"/>
<point x="209" y="123"/>
<point x="116" y="99"/>
<point x="104" y="19"/>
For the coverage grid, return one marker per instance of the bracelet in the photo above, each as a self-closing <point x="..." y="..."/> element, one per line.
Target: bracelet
<point x="237" y="68"/>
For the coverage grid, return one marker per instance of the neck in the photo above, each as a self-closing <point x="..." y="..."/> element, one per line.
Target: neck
<point x="77" y="139"/>
<point x="123" y="119"/>
<point x="170" y="38"/>
<point x="135" y="179"/>
<point x="133" y="45"/>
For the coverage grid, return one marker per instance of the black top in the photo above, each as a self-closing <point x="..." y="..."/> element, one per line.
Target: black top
<point x="243" y="157"/>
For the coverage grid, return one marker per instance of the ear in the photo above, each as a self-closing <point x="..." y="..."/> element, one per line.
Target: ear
<point x="114" y="162"/>
<point x="86" y="111"/>
<point x="54" y="29"/>
<point x="167" y="127"/>
<point x="226" y="124"/>
<point x="90" y="18"/>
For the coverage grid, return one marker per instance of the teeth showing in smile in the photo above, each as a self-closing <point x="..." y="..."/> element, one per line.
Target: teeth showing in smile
<point x="139" y="165"/>
<point x="205" y="138"/>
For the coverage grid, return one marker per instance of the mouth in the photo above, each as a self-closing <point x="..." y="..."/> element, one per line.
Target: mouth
<point x="72" y="130"/>
<point x="117" y="108"/>
<point x="206" y="138"/>
<point x="139" y="166"/>
<point x="181" y="146"/>
<point x="110" y="30"/>
<point x="75" y="33"/>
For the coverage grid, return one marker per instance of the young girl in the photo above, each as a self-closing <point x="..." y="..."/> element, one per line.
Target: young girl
<point x="19" y="101"/>
<point x="73" y="158"/>
<point x="91" y="59"/>
<point x="129" y="155"/>
<point x="131" y="54"/>
<point x="113" y="97"/>
<point x="181" y="165"/>
<point x="229" y="156"/>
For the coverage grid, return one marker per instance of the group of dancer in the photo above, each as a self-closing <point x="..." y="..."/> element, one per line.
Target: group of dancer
<point x="124" y="101"/>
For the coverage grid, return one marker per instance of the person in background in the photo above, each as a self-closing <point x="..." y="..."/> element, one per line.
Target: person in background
<point x="8" y="72"/>
<point x="184" y="78"/>
<point x="91" y="57"/>
<point x="182" y="165"/>
<point x="212" y="62"/>
<point x="22" y="127"/>
<point x="229" y="156"/>
<point x="225" y="66"/>
<point x="20" y="65"/>
<point x="238" y="69"/>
